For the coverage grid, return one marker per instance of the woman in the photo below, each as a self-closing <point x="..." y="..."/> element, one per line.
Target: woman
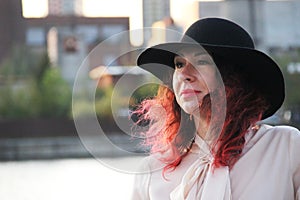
<point x="204" y="126"/>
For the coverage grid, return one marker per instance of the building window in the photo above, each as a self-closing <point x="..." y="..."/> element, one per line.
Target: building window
<point x="35" y="37"/>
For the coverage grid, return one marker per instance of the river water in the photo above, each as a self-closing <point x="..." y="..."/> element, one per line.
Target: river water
<point x="66" y="179"/>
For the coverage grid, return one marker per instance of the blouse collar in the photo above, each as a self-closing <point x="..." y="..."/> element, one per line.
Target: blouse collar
<point x="202" y="180"/>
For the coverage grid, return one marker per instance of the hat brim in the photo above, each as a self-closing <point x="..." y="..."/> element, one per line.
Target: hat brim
<point x="259" y="68"/>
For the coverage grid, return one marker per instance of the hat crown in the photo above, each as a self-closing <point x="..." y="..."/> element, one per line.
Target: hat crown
<point x="218" y="32"/>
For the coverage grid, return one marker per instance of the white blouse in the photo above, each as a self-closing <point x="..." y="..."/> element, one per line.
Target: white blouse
<point x="269" y="168"/>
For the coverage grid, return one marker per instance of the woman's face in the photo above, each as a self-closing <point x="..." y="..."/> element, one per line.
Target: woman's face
<point x="194" y="77"/>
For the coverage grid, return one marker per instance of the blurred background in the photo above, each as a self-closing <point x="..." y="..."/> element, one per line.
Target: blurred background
<point x="43" y="43"/>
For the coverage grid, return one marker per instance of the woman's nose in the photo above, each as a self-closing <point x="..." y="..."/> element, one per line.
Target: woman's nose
<point x="188" y="72"/>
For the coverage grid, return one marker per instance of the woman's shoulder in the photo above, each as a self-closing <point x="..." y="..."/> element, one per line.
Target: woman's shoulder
<point x="279" y="131"/>
<point x="277" y="137"/>
<point x="281" y="136"/>
<point x="150" y="163"/>
<point x="288" y="138"/>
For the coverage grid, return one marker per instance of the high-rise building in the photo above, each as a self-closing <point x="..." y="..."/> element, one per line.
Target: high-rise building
<point x="155" y="10"/>
<point x="65" y="7"/>
<point x="272" y="24"/>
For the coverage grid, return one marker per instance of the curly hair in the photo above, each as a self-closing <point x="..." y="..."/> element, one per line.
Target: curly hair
<point x="171" y="131"/>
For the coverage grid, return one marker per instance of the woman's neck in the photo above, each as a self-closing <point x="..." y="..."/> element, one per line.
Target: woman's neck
<point x="201" y="126"/>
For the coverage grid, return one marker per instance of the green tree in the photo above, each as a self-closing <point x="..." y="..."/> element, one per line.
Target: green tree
<point x="55" y="94"/>
<point x="30" y="87"/>
<point x="292" y="80"/>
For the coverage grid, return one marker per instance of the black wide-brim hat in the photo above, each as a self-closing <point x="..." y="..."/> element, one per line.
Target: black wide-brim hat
<point x="229" y="40"/>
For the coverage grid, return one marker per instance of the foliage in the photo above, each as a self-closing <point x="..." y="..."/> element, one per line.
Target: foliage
<point x="16" y="100"/>
<point x="55" y="94"/>
<point x="291" y="108"/>
<point x="292" y="80"/>
<point x="107" y="97"/>
<point x="146" y="91"/>
<point x="103" y="102"/>
<point x="31" y="88"/>
<point x="22" y="63"/>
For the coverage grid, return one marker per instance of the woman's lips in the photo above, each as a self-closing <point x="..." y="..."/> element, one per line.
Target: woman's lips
<point x="189" y="93"/>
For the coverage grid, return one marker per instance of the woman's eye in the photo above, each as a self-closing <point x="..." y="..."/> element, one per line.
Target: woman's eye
<point x="179" y="65"/>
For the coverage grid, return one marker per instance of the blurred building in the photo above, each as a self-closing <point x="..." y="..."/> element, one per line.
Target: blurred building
<point x="155" y="10"/>
<point x="274" y="25"/>
<point x="68" y="37"/>
<point x="71" y="38"/>
<point x="12" y="26"/>
<point x="64" y="33"/>
<point x="65" y="7"/>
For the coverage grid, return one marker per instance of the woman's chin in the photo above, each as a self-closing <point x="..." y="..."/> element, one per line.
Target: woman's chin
<point x="191" y="110"/>
<point x="190" y="107"/>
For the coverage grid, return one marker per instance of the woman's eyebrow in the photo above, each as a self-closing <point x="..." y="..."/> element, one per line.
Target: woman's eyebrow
<point x="200" y="53"/>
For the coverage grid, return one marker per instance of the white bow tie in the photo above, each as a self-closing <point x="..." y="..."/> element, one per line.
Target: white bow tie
<point x="201" y="181"/>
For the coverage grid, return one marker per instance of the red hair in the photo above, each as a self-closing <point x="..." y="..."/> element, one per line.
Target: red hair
<point x="171" y="132"/>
